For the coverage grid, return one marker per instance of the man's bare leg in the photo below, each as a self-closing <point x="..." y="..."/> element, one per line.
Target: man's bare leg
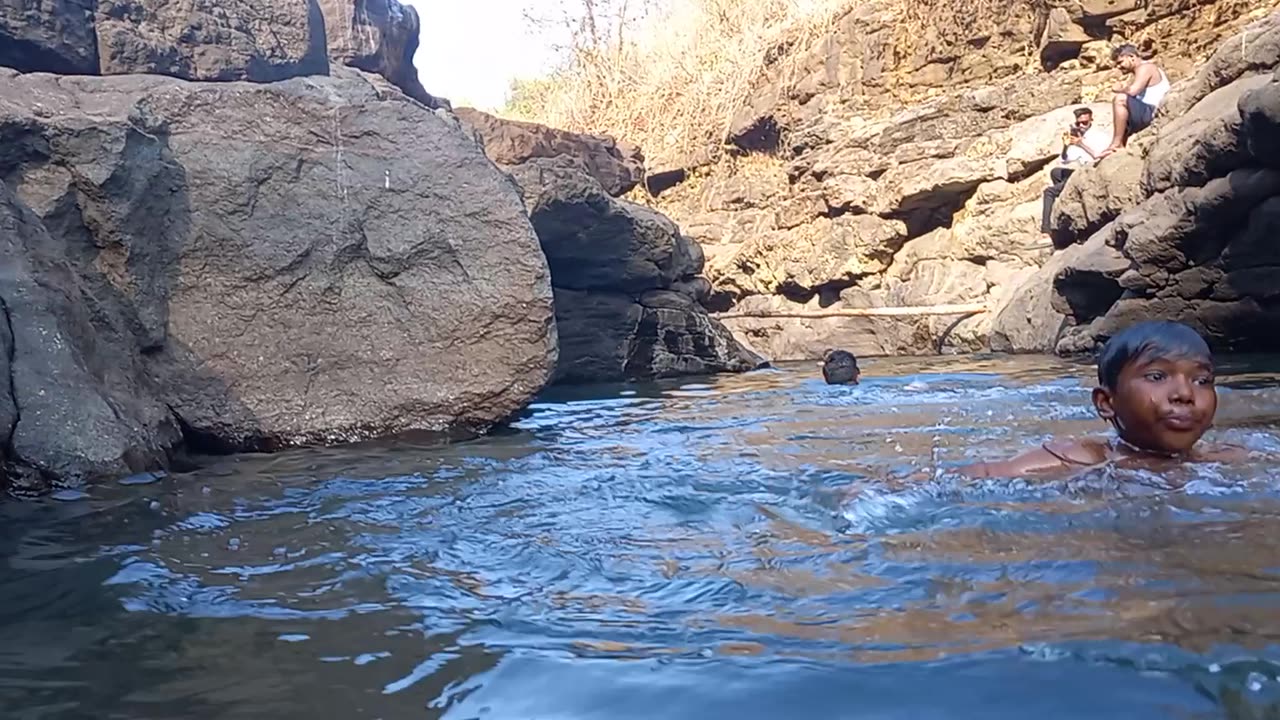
<point x="1119" y="123"/>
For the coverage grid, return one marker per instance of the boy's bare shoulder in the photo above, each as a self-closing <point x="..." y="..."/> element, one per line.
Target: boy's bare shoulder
<point x="1079" y="451"/>
<point x="1055" y="455"/>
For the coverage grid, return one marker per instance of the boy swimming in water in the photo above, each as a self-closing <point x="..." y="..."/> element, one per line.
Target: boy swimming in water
<point x="1155" y="387"/>
<point x="840" y="367"/>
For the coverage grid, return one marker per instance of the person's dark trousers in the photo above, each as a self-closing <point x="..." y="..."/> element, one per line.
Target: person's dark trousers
<point x="1059" y="177"/>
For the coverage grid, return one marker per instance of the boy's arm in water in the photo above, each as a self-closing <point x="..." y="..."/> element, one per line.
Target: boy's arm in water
<point x="1054" y="456"/>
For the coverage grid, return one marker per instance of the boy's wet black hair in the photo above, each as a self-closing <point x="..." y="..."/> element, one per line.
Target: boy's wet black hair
<point x="1148" y="340"/>
<point x="839" y="367"/>
<point x="1081" y="112"/>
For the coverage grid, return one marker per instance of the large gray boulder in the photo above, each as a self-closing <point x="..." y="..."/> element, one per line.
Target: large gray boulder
<point x="1204" y="143"/>
<point x="1260" y="123"/>
<point x="309" y="261"/>
<point x="212" y="39"/>
<point x="626" y="280"/>
<point x="1096" y="195"/>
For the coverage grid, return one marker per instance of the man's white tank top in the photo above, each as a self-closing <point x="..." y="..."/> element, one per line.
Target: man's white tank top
<point x="1154" y="94"/>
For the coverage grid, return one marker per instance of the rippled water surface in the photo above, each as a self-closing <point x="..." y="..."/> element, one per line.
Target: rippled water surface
<point x="739" y="547"/>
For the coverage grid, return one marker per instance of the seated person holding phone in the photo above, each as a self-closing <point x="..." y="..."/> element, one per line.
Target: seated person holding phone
<point x="1081" y="145"/>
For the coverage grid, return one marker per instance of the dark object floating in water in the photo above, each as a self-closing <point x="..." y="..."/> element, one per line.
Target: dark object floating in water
<point x="839" y="367"/>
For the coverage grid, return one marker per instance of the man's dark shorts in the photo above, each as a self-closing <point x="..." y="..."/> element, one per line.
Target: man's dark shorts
<point x="1140" y="115"/>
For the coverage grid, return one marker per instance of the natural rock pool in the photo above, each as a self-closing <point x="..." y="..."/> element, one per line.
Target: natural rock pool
<point x="675" y="550"/>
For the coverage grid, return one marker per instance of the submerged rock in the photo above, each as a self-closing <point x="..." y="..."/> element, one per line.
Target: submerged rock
<point x="308" y="261"/>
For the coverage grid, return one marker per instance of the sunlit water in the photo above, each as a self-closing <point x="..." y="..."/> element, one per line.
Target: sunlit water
<point x="679" y="550"/>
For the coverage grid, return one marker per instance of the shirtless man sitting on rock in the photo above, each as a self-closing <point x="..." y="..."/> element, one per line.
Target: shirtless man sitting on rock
<point x="1136" y="101"/>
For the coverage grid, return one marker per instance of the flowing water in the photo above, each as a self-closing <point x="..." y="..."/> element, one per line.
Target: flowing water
<point x="741" y="547"/>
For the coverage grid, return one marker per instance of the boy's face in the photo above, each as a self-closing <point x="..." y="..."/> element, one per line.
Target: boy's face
<point x="1161" y="404"/>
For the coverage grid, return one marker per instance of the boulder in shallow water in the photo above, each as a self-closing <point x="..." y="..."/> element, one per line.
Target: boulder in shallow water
<point x="606" y="337"/>
<point x="75" y="401"/>
<point x="1032" y="321"/>
<point x="297" y="262"/>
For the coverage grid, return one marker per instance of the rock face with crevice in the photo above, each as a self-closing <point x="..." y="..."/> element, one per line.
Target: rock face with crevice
<point x="379" y="37"/>
<point x="211" y="39"/>
<point x="872" y="170"/>
<point x="51" y="36"/>
<point x="76" y="401"/>
<point x="214" y="40"/>
<point x="628" y="285"/>
<point x="259" y="265"/>
<point x="1194" y="217"/>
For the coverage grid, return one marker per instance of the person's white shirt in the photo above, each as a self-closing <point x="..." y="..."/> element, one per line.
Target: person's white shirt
<point x="1154" y="93"/>
<point x="1097" y="141"/>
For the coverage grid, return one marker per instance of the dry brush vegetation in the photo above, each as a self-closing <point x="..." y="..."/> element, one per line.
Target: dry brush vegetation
<point x="669" y="75"/>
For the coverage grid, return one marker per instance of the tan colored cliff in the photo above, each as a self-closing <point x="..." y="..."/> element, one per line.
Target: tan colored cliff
<point x="883" y="170"/>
